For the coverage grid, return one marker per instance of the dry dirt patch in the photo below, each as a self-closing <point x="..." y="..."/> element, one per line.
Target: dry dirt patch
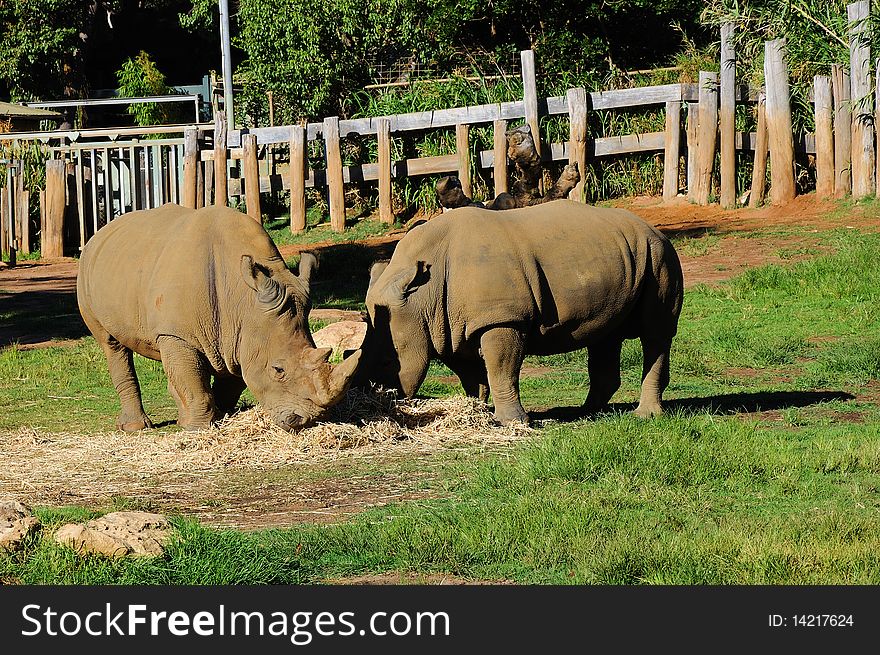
<point x="732" y="254"/>
<point x="679" y="215"/>
<point x="45" y="275"/>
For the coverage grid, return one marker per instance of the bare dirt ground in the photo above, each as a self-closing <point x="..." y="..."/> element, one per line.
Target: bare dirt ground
<point x="723" y="245"/>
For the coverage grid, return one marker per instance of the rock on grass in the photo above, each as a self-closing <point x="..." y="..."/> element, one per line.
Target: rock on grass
<point x="17" y="522"/>
<point x="118" y="534"/>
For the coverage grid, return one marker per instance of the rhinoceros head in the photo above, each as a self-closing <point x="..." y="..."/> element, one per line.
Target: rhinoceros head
<point x="397" y="347"/>
<point x="288" y="375"/>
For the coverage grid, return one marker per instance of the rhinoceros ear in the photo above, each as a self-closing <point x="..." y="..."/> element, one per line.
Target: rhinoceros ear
<point x="376" y="270"/>
<point x="407" y="281"/>
<point x="269" y="292"/>
<point x="308" y="264"/>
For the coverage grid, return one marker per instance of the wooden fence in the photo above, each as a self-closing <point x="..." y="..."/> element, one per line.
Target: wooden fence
<point x="203" y="164"/>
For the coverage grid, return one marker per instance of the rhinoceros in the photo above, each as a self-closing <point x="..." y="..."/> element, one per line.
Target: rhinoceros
<point x="479" y="290"/>
<point x="207" y="293"/>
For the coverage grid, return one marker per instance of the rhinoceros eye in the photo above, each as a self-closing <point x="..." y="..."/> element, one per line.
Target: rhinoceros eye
<point x="278" y="371"/>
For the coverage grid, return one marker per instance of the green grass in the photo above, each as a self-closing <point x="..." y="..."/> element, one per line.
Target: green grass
<point x="685" y="499"/>
<point x="356" y="230"/>
<point x="787" y="494"/>
<point x="696" y="245"/>
<point x="34" y="255"/>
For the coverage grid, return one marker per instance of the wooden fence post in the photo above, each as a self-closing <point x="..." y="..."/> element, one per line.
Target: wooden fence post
<point x="81" y="201"/>
<point x="577" y="143"/>
<point x="692" y="125"/>
<point x="251" y="177"/>
<point x="728" y="111"/>
<point x="778" y="109"/>
<point x="759" y="171"/>
<point x="297" y="178"/>
<point x="822" y="105"/>
<point x="52" y="230"/>
<point x="530" y="102"/>
<point x="208" y="174"/>
<point x="842" y="132"/>
<point x="42" y="200"/>
<point x="221" y="188"/>
<point x="499" y="161"/>
<point x="335" y="183"/>
<point x="860" y="94"/>
<point x="202" y="188"/>
<point x="462" y="148"/>
<point x="108" y="183"/>
<point x="383" y="136"/>
<point x="22" y="209"/>
<point x="671" y="150"/>
<point x="706" y="135"/>
<point x="14" y="238"/>
<point x="190" y="163"/>
<point x="877" y="125"/>
<point x="4" y="220"/>
<point x="16" y="186"/>
<point x="530" y="95"/>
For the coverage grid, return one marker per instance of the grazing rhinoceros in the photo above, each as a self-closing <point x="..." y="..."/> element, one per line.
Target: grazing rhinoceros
<point x="479" y="290"/>
<point x="206" y="292"/>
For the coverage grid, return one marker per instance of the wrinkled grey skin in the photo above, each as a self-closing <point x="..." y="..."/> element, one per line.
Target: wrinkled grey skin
<point x="479" y="290"/>
<point x="207" y="293"/>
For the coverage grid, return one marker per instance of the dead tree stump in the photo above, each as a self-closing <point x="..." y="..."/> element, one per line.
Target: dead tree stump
<point x="528" y="173"/>
<point x="451" y="195"/>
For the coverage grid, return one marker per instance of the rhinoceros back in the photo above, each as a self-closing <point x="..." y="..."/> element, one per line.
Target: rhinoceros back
<point x="170" y="270"/>
<point x="563" y="268"/>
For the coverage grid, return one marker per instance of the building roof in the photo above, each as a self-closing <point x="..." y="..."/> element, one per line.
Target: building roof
<point x="12" y="110"/>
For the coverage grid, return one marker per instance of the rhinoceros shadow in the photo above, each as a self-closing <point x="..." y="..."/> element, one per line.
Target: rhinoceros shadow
<point x="726" y="404"/>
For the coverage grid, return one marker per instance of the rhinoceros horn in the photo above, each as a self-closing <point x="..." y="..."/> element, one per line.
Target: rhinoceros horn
<point x="340" y="377"/>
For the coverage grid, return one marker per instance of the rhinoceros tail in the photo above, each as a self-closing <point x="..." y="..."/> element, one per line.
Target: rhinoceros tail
<point x="663" y="293"/>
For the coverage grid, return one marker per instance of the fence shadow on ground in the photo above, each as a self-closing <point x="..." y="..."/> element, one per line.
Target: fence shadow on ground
<point x="725" y="404"/>
<point x="36" y="317"/>
<point x="344" y="273"/>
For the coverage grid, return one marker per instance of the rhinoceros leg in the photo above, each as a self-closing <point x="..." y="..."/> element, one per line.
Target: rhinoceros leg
<point x="503" y="351"/>
<point x="227" y="391"/>
<point x="121" y="365"/>
<point x="655" y="376"/>
<point x="603" y="365"/>
<point x="188" y="382"/>
<point x="472" y="373"/>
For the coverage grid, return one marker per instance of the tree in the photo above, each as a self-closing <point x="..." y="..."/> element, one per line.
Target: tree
<point x="46" y="45"/>
<point x="139" y="76"/>
<point x="314" y="55"/>
<point x="43" y="45"/>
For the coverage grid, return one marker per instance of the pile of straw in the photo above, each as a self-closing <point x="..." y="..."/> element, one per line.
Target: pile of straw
<point x="365" y="424"/>
<point x="367" y="421"/>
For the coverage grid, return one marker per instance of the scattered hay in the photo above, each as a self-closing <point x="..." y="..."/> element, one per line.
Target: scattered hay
<point x="364" y="421"/>
<point x="365" y="424"/>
